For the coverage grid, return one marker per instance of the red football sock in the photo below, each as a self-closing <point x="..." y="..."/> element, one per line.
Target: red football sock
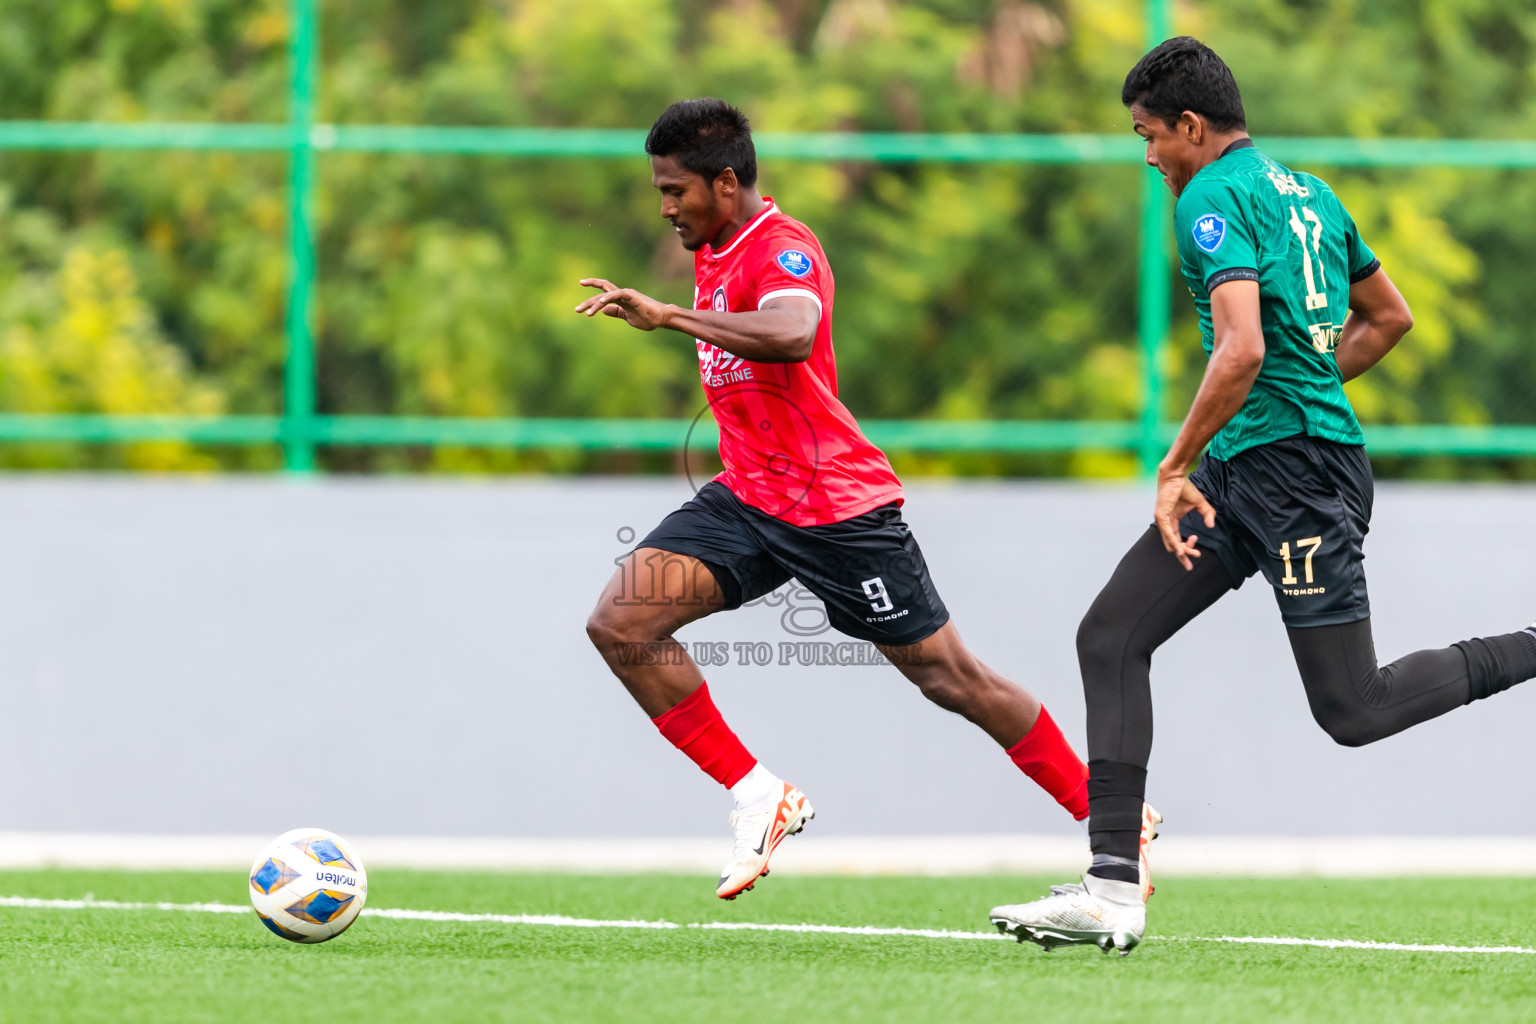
<point x="1046" y="757"/>
<point x="695" y="727"/>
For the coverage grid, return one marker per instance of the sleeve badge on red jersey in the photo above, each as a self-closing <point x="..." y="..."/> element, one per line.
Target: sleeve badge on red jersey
<point x="794" y="262"/>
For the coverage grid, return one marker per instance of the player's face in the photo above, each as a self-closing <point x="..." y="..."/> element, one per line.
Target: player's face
<point x="1170" y="150"/>
<point x="689" y="203"/>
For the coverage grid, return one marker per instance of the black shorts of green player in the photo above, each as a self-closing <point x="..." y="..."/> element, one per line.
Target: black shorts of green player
<point x="1292" y="303"/>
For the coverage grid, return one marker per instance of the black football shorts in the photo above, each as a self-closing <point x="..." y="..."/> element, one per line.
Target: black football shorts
<point x="1296" y="510"/>
<point x="867" y="570"/>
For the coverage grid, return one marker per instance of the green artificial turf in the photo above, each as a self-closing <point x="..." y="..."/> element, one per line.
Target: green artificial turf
<point x="153" y="965"/>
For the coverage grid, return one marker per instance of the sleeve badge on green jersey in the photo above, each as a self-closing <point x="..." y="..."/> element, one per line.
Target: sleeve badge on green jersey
<point x="1210" y="231"/>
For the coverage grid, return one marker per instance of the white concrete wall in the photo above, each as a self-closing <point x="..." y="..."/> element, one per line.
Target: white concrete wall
<point x="407" y="658"/>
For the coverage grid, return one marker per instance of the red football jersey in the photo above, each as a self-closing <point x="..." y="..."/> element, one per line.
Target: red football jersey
<point x="789" y="446"/>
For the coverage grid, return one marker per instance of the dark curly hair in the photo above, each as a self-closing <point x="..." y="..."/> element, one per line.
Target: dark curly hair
<point x="1184" y="74"/>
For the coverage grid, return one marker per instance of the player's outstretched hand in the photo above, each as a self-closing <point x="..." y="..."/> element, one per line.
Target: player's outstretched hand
<point x="634" y="308"/>
<point x="1175" y="497"/>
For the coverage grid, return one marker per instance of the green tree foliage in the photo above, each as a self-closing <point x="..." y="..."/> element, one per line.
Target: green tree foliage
<point x="154" y="282"/>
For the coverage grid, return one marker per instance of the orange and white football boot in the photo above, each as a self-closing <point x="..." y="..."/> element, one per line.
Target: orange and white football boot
<point x="758" y="834"/>
<point x="1150" y="819"/>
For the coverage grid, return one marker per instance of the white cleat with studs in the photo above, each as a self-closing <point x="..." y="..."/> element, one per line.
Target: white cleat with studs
<point x="757" y="836"/>
<point x="1094" y="912"/>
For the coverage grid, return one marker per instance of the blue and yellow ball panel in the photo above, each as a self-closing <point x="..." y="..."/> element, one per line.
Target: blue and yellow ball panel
<point x="320" y="907"/>
<point x="272" y="874"/>
<point x="325" y="850"/>
<point x="278" y="929"/>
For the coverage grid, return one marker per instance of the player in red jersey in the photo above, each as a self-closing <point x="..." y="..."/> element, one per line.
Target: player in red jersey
<point x="804" y="494"/>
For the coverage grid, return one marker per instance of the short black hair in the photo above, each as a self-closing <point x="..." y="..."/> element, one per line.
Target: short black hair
<point x="1184" y="74"/>
<point x="707" y="136"/>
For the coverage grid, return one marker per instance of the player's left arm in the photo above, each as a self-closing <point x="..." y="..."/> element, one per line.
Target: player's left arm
<point x="1237" y="354"/>
<point x="1378" y="318"/>
<point x="782" y="331"/>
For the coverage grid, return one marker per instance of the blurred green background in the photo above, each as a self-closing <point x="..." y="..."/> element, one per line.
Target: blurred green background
<point x="155" y="282"/>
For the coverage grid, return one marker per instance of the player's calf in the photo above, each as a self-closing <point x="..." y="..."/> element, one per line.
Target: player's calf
<point x="634" y="636"/>
<point x="947" y="673"/>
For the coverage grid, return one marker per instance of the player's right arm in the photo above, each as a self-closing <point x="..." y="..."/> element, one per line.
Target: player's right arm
<point x="1236" y="358"/>
<point x="1378" y="318"/>
<point x="782" y="331"/>
<point x="1217" y="247"/>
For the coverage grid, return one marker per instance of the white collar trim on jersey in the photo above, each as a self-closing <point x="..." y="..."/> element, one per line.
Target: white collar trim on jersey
<point x="748" y="228"/>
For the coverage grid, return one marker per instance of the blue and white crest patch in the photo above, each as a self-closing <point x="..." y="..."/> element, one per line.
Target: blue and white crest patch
<point x="1210" y="231"/>
<point x="794" y="262"/>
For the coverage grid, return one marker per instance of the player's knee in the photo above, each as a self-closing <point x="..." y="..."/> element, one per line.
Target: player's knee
<point x="1349" y="728"/>
<point x="599" y="628"/>
<point x="1101" y="644"/>
<point x="609" y="625"/>
<point x="1353" y="712"/>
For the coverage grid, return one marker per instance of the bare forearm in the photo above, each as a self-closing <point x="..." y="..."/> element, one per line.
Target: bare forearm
<point x="762" y="336"/>
<point x="1378" y="319"/>
<point x="1362" y="344"/>
<point x="1228" y="380"/>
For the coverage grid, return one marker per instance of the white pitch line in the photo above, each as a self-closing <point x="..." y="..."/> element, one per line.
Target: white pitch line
<point x="838" y="929"/>
<point x="553" y="920"/>
<point x="1406" y="947"/>
<point x="562" y="921"/>
<point x="28" y="902"/>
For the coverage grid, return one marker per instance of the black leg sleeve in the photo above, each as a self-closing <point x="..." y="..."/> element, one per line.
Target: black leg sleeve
<point x="1149" y="598"/>
<point x="1358" y="703"/>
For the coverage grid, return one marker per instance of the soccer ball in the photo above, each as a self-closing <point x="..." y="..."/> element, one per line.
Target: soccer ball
<point x="308" y="885"/>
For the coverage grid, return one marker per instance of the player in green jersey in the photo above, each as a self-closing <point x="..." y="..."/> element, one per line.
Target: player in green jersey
<point x="1292" y="304"/>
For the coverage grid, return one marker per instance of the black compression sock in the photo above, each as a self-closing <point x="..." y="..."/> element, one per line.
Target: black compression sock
<point x="1495" y="663"/>
<point x="1116" y="792"/>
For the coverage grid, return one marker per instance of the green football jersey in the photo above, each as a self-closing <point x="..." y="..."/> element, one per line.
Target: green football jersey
<point x="1245" y="217"/>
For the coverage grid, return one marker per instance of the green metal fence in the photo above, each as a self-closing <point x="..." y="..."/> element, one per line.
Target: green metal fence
<point x="300" y="429"/>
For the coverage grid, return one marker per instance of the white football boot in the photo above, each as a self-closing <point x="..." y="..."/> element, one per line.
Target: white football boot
<point x="1024" y="920"/>
<point x="758" y="834"/>
<point x="1097" y="912"/>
